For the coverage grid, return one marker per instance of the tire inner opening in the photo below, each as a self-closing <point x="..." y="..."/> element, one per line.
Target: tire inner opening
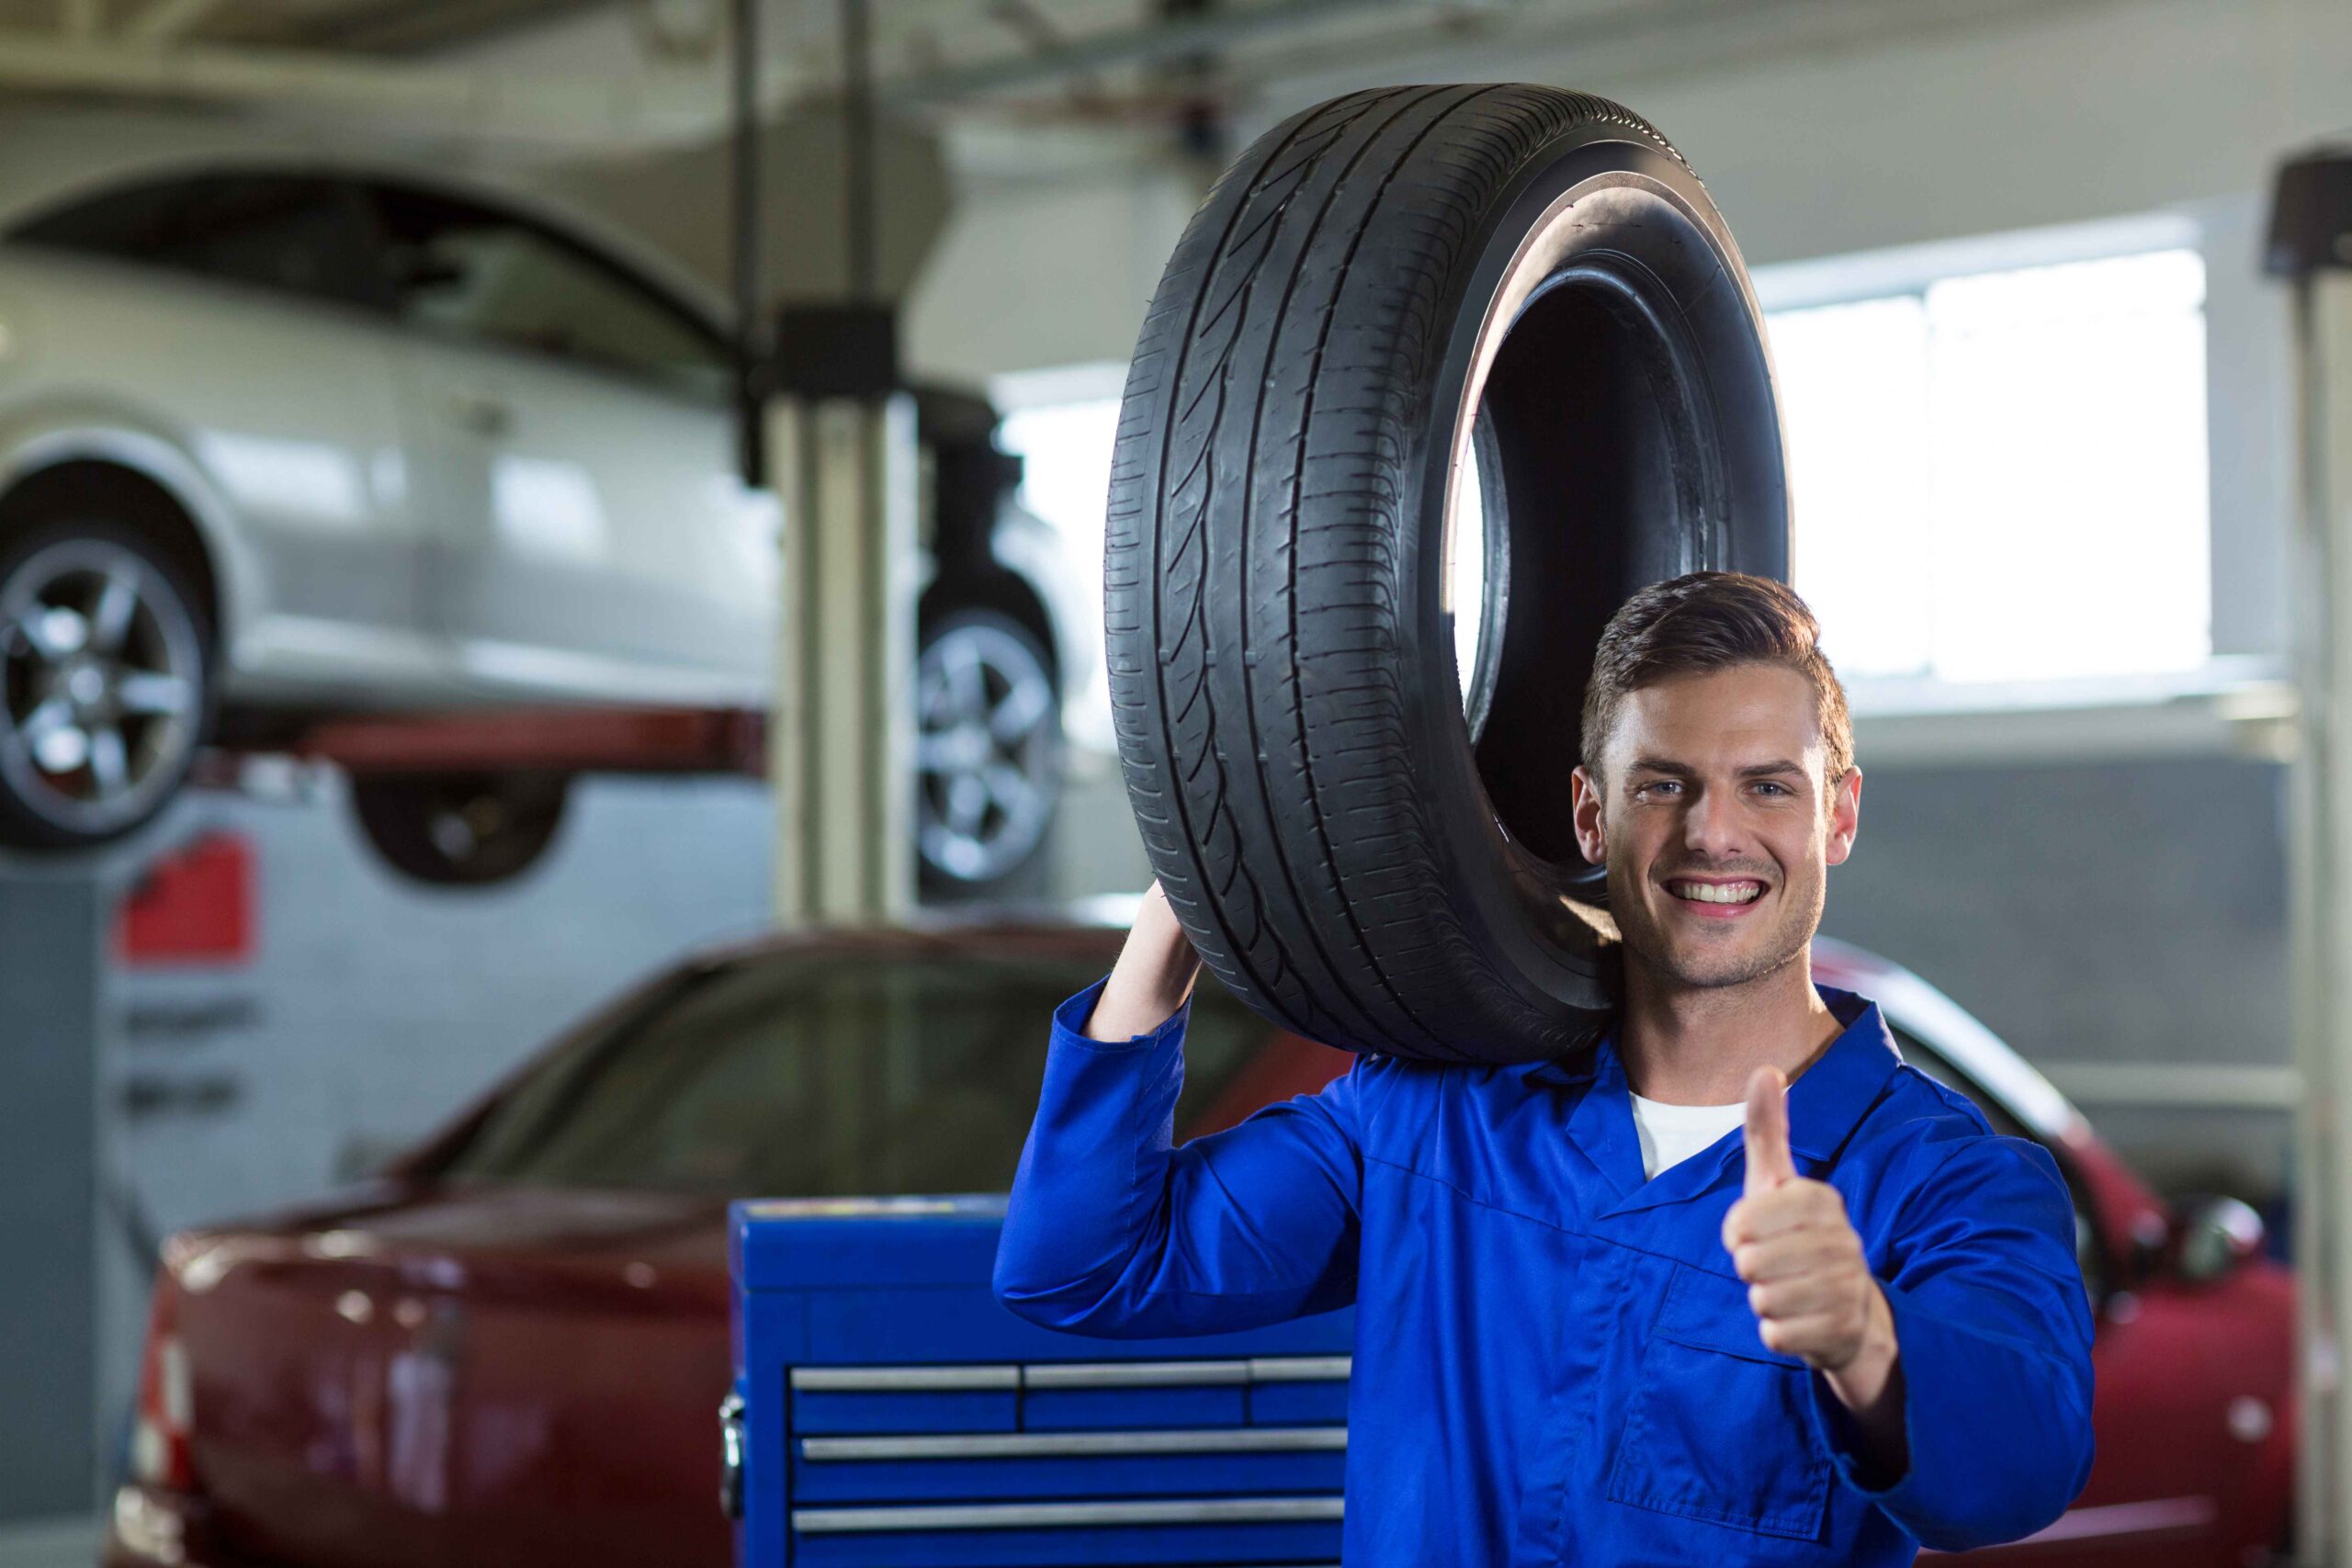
<point x="1594" y="485"/>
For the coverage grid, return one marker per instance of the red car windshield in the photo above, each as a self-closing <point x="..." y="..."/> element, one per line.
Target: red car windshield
<point x="815" y="1073"/>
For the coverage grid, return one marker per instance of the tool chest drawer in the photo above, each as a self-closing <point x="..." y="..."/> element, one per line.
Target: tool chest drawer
<point x="892" y="1413"/>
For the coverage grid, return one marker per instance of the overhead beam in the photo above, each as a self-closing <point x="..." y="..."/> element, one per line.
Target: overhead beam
<point x="165" y="20"/>
<point x="500" y="104"/>
<point x="1151" y="44"/>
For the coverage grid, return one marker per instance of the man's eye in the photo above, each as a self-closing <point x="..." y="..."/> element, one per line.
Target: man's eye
<point x="1656" y="785"/>
<point x="1777" y="789"/>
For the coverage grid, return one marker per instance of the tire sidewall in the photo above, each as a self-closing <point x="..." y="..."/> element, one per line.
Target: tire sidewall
<point x="393" y="813"/>
<point x="20" y="824"/>
<point x="1508" y="900"/>
<point x="1016" y="876"/>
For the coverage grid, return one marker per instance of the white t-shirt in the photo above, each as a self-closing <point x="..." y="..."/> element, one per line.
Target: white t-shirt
<point x="1672" y="1134"/>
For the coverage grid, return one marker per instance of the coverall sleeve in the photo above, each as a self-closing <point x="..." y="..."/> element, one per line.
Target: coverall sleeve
<point x="1993" y="1331"/>
<point x="1111" y="1231"/>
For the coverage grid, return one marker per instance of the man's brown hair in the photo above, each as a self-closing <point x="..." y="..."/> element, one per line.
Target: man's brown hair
<point x="1713" y="620"/>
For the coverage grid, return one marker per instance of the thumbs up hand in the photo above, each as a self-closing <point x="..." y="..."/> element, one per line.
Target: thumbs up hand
<point x="1808" y="1283"/>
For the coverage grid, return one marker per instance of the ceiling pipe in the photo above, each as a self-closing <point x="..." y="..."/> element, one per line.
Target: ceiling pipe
<point x="1155" y="43"/>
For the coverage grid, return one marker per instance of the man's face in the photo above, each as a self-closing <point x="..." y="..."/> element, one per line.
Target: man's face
<point x="1716" y="823"/>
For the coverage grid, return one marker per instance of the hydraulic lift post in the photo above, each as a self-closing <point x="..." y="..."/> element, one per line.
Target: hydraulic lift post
<point x="2311" y="243"/>
<point x="55" y="915"/>
<point x="841" y="453"/>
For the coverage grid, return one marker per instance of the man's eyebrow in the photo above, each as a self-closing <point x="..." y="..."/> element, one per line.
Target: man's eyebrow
<point x="1673" y="769"/>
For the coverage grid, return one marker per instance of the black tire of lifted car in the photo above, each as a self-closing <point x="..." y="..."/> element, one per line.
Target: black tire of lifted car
<point x="1355" y="856"/>
<point x="459" y="830"/>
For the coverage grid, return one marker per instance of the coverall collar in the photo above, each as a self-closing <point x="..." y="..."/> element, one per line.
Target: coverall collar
<point x="1825" y="1103"/>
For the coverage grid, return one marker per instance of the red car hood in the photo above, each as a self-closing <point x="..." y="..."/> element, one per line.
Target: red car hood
<point x="497" y="1375"/>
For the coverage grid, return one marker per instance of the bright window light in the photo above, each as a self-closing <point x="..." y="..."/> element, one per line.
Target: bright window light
<point x="1998" y="478"/>
<point x="1065" y="479"/>
<point x="2003" y="477"/>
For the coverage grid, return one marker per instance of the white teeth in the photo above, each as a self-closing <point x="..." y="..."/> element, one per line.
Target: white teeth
<point x="1721" y="893"/>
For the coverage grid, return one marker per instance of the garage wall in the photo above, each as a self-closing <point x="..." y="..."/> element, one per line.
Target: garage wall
<point x="1006" y="289"/>
<point x="2127" y="913"/>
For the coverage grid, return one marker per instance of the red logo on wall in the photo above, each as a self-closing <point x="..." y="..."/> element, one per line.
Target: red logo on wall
<point x="192" y="906"/>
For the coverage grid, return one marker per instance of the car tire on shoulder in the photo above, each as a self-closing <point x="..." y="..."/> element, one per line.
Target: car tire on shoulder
<point x="1414" y="331"/>
<point x="106" y="681"/>
<point x="459" y="830"/>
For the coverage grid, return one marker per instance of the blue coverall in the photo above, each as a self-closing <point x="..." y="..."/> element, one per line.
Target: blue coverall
<point x="1555" y="1361"/>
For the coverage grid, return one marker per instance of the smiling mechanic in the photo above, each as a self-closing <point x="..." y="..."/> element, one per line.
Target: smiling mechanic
<point x="1637" y="1305"/>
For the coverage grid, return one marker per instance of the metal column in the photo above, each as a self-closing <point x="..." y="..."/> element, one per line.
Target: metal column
<point x="2311" y="242"/>
<point x="54" y="923"/>
<point x="839" y="448"/>
<point x="841" y="738"/>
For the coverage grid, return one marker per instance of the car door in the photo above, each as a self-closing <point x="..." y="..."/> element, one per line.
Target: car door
<point x="238" y="314"/>
<point x="590" y="535"/>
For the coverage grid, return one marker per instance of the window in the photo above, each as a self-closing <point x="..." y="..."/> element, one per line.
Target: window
<point x="474" y="272"/>
<point x="2002" y="475"/>
<point x="1998" y="476"/>
<point x="1064" y="451"/>
<point x="819" y="1075"/>
<point x="292" y="235"/>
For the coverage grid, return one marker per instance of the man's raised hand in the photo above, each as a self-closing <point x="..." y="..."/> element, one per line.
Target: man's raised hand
<point x="1769" y="1163"/>
<point x="1154" y="974"/>
<point x="1808" y="1283"/>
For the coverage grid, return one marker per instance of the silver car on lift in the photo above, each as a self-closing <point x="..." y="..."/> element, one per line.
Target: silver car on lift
<point x="288" y="440"/>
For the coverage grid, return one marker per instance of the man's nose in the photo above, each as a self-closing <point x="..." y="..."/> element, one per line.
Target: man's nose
<point x="1711" y="827"/>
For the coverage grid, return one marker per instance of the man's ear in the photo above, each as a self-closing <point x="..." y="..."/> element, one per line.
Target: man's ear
<point x="1592" y="833"/>
<point x="1845" y="817"/>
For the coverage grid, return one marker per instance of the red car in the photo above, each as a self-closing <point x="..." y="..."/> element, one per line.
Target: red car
<point x="511" y="1348"/>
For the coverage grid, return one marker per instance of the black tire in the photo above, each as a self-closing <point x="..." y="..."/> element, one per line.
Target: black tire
<point x="1013" y="763"/>
<point x="101" y="713"/>
<point x="1355" y="856"/>
<point x="459" y="830"/>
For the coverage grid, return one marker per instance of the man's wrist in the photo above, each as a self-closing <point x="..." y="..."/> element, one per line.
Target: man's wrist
<point x="1870" y="1385"/>
<point x="1128" y="1008"/>
<point x="1865" y="1378"/>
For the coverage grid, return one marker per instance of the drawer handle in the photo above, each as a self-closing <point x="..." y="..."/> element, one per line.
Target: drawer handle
<point x="1041" y="1445"/>
<point x="1030" y="1516"/>
<point x="902" y="1380"/>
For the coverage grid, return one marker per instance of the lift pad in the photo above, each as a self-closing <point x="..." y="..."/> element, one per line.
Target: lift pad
<point x="562" y="740"/>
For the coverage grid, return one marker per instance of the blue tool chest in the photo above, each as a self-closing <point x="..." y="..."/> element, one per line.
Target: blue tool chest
<point x="887" y="1412"/>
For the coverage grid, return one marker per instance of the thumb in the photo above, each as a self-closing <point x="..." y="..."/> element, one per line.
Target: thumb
<point x="1769" y="1163"/>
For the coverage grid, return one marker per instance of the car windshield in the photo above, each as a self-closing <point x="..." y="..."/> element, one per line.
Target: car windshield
<point x="817" y="1073"/>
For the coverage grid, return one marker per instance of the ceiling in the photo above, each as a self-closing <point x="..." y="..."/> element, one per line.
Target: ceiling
<point x="645" y="72"/>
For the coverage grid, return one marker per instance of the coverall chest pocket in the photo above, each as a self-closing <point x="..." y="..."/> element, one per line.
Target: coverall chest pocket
<point x="1717" y="1428"/>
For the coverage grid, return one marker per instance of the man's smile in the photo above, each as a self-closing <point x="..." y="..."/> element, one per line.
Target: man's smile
<point x="1716" y="898"/>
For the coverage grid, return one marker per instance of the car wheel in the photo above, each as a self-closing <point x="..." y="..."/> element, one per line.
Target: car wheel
<point x="987" y="752"/>
<point x="106" y="685"/>
<point x="459" y="830"/>
<point x="1436" y="379"/>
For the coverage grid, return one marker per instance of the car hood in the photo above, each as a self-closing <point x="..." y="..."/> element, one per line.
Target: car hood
<point x="454" y="1238"/>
